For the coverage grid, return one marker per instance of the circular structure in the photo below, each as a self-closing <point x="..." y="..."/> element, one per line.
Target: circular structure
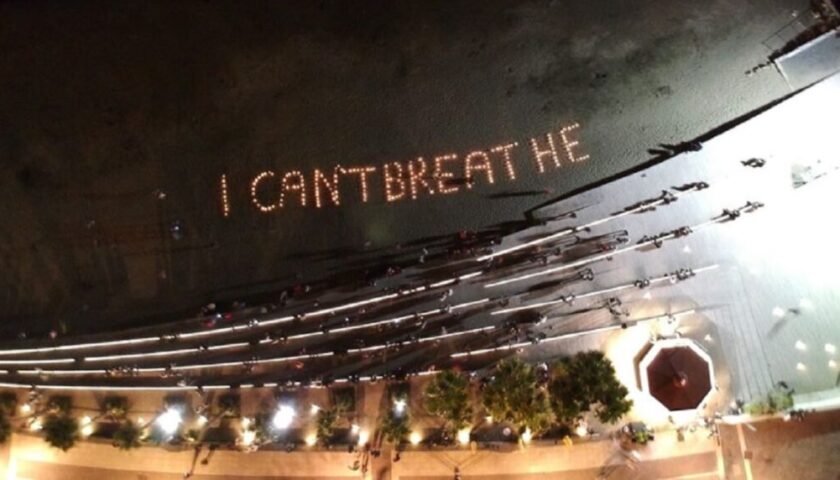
<point x="678" y="374"/>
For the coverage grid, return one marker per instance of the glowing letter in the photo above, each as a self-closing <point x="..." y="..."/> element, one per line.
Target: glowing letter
<point x="225" y="201"/>
<point x="319" y="179"/>
<point x="363" y="172"/>
<point x="540" y="154"/>
<point x="569" y="144"/>
<point x="392" y="179"/>
<point x="290" y="185"/>
<point x="416" y="175"/>
<point x="255" y="184"/>
<point x="505" y="151"/>
<point x="442" y="176"/>
<point x="478" y="161"/>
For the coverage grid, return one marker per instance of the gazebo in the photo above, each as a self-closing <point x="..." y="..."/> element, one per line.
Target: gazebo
<point x="678" y="374"/>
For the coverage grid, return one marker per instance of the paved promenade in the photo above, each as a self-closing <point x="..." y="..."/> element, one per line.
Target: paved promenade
<point x="664" y="458"/>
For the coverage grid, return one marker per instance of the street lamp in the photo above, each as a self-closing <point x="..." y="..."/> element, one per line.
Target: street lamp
<point x="169" y="421"/>
<point x="283" y="417"/>
<point x="527" y="435"/>
<point x="399" y="406"/>
<point x="464" y="436"/>
<point x="363" y="437"/>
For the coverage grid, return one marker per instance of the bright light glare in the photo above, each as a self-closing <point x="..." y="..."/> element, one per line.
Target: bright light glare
<point x="778" y="312"/>
<point x="832" y="364"/>
<point x="35" y="426"/>
<point x="311" y="440"/>
<point x="85" y="420"/>
<point x="801" y="367"/>
<point x="87" y="430"/>
<point x="363" y="437"/>
<point x="464" y="436"/>
<point x="800" y="345"/>
<point x="527" y="436"/>
<point x="399" y="406"/>
<point x="415" y="438"/>
<point x="354" y="429"/>
<point x="25" y="408"/>
<point x="314" y="409"/>
<point x="169" y="421"/>
<point x="830" y="348"/>
<point x="248" y="437"/>
<point x="283" y="418"/>
<point x="201" y="420"/>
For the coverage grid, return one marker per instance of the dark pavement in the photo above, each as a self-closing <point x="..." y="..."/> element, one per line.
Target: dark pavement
<point x="118" y="120"/>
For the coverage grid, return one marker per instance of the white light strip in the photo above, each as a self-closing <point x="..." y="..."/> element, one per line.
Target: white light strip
<point x="180" y="367"/>
<point x="602" y="256"/>
<point x="39" y="371"/>
<point x="166" y="353"/>
<point x="571" y="230"/>
<point x="422" y="340"/>
<point x="57" y="361"/>
<point x="419" y="315"/>
<point x="531" y="306"/>
<point x="456" y="334"/>
<point x="227" y="346"/>
<point x="178" y="388"/>
<point x="568" y="335"/>
<point x="129" y="356"/>
<point x="104" y="388"/>
<point x="253" y="362"/>
<point x="203" y="333"/>
<point x="236" y="328"/>
<point x="80" y="346"/>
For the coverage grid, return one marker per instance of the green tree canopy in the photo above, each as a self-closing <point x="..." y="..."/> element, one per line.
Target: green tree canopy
<point x="127" y="436"/>
<point x="448" y="397"/>
<point x="514" y="395"/>
<point x="325" y="424"/>
<point x="61" y="431"/>
<point x="584" y="382"/>
<point x="394" y="426"/>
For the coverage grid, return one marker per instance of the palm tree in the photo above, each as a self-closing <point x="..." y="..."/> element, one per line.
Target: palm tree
<point x="514" y="395"/>
<point x="61" y="431"/>
<point x="448" y="396"/>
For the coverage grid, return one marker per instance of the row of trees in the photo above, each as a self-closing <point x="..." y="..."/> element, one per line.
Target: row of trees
<point x="61" y="429"/>
<point x="533" y="398"/>
<point x="526" y="397"/>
